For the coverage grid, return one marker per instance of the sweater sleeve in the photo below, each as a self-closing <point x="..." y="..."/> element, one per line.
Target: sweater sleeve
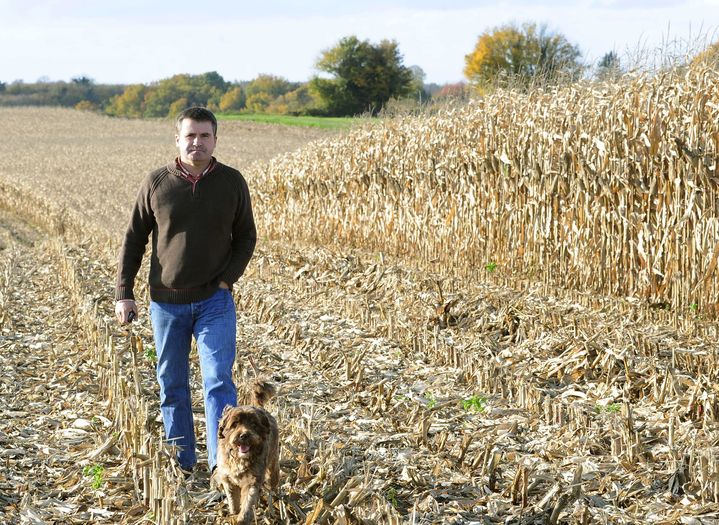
<point x="244" y="237"/>
<point x="133" y="247"/>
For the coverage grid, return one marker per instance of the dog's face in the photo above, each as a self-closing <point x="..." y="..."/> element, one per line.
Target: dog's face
<point x="244" y="430"/>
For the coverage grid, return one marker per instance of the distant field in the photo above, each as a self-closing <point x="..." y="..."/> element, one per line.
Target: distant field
<point x="91" y="140"/>
<point x="287" y="120"/>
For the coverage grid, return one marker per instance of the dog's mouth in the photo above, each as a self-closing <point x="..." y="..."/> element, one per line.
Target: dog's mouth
<point x="244" y="449"/>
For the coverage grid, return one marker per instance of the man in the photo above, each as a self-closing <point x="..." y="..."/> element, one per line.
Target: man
<point x="203" y="236"/>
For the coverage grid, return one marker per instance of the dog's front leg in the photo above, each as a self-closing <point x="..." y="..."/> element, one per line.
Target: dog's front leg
<point x="250" y="497"/>
<point x="234" y="497"/>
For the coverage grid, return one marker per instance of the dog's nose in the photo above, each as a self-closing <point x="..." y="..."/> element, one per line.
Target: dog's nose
<point x="241" y="438"/>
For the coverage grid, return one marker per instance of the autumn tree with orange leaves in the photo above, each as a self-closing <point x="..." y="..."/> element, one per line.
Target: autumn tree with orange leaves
<point x="521" y="56"/>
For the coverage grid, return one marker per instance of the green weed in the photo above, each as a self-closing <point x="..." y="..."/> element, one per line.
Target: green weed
<point x="96" y="472"/>
<point x="391" y="496"/>
<point x="612" y="408"/>
<point x="150" y="353"/>
<point x="475" y="404"/>
<point x="431" y="400"/>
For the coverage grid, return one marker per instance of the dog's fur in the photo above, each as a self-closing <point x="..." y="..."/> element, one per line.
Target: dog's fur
<point x="247" y="452"/>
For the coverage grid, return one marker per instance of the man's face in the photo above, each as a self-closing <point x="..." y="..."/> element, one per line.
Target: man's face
<point x="196" y="141"/>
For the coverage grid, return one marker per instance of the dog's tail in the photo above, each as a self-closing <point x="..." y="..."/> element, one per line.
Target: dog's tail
<point x="262" y="392"/>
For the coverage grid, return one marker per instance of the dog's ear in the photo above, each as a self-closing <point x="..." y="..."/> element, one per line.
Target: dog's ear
<point x="263" y="420"/>
<point x="223" y="422"/>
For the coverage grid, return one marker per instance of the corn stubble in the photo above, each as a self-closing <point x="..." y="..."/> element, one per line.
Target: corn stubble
<point x="481" y="316"/>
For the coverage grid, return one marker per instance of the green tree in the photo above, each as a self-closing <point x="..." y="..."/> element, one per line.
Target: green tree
<point x="521" y="57"/>
<point x="363" y="76"/>
<point x="215" y="86"/>
<point x="417" y="89"/>
<point x="608" y="67"/>
<point x="82" y="80"/>
<point x="83" y="88"/>
<point x="159" y="97"/>
<point x="163" y="97"/>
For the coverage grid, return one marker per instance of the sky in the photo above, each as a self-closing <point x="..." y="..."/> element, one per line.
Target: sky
<point x="141" y="41"/>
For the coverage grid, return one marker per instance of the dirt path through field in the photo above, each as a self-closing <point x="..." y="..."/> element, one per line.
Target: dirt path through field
<point x="51" y="417"/>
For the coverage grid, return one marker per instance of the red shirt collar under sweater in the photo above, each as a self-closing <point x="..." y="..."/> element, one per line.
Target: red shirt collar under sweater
<point x="194" y="179"/>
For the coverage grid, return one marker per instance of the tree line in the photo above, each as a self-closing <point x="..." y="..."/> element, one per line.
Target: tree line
<point x="80" y="91"/>
<point x="354" y="77"/>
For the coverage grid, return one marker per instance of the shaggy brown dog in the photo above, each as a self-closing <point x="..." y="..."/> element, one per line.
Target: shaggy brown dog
<point x="247" y="451"/>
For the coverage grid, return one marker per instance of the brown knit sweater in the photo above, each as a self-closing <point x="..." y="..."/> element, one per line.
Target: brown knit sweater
<point x="199" y="237"/>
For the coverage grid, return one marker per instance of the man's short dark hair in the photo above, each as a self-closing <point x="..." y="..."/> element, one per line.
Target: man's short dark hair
<point x="198" y="114"/>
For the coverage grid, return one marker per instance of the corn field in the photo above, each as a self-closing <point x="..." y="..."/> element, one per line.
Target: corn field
<point x="609" y="188"/>
<point x="502" y="313"/>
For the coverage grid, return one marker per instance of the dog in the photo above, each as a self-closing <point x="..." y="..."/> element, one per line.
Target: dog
<point x="248" y="452"/>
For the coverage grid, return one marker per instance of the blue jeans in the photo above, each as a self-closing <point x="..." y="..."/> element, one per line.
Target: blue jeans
<point x="213" y="324"/>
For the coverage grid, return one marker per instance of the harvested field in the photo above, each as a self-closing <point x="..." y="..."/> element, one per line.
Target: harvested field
<point x="409" y="391"/>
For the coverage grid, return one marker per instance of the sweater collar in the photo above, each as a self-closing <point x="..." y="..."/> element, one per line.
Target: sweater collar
<point x="178" y="169"/>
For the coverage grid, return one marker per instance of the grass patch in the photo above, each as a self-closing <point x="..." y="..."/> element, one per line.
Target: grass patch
<point x="289" y="120"/>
